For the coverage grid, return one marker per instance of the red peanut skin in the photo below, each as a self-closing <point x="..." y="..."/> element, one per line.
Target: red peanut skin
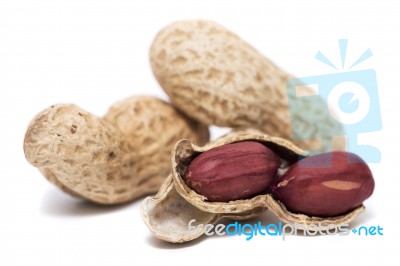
<point x="233" y="171"/>
<point x="310" y="187"/>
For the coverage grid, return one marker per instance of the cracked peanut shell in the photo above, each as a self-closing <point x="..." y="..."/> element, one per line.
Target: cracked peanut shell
<point x="168" y="213"/>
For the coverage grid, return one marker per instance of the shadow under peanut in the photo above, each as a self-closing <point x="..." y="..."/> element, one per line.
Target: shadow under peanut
<point x="58" y="204"/>
<point x="161" y="244"/>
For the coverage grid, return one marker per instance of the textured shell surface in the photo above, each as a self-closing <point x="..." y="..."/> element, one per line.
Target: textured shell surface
<point x="219" y="79"/>
<point x="113" y="159"/>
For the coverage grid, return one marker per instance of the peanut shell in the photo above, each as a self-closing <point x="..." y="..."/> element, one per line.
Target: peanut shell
<point x="168" y="213"/>
<point x="109" y="160"/>
<point x="217" y="78"/>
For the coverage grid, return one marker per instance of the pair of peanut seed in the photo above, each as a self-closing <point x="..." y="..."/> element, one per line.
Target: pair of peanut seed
<point x="324" y="185"/>
<point x="245" y="173"/>
<point x="212" y="78"/>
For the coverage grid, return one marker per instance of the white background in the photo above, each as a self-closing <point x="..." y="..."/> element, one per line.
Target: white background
<point x="93" y="53"/>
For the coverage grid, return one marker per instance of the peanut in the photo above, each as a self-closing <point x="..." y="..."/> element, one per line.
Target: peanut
<point x="215" y="77"/>
<point x="113" y="159"/>
<point x="325" y="185"/>
<point x="181" y="199"/>
<point x="233" y="171"/>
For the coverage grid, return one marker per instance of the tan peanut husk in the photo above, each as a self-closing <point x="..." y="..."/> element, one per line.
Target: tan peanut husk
<point x="168" y="213"/>
<point x="110" y="160"/>
<point x="217" y="78"/>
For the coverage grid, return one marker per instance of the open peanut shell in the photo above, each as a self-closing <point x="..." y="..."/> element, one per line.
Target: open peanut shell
<point x="168" y="213"/>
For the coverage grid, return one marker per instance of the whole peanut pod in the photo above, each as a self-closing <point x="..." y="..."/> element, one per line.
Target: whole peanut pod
<point x="113" y="159"/>
<point x="325" y="185"/>
<point x="233" y="171"/>
<point x="217" y="78"/>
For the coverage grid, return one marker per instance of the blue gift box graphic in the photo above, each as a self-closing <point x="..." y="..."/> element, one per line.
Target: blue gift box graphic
<point x="355" y="96"/>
